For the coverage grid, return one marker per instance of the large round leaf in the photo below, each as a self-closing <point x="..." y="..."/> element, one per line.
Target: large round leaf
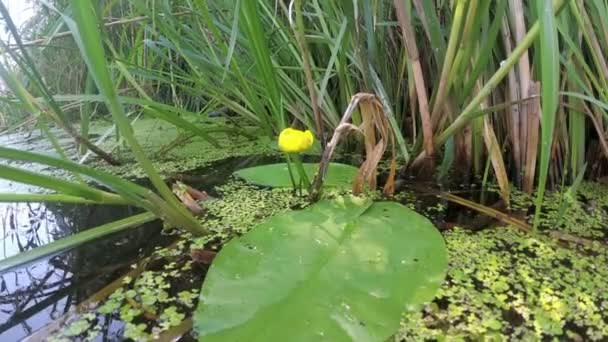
<point x="342" y="270"/>
<point x="277" y="175"/>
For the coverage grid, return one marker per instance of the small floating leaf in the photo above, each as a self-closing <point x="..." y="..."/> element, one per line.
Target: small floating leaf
<point x="340" y="270"/>
<point x="277" y="175"/>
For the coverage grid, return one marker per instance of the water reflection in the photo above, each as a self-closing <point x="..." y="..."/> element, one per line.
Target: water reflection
<point x="24" y="226"/>
<point x="32" y="296"/>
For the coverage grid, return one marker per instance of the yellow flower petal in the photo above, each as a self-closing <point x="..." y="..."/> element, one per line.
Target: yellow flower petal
<point x="295" y="141"/>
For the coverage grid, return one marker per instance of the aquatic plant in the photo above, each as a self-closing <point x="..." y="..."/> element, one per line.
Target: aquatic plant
<point x="295" y="141"/>
<point x="342" y="269"/>
<point x="315" y="56"/>
<point x="481" y="85"/>
<point x="505" y="285"/>
<point x="292" y="142"/>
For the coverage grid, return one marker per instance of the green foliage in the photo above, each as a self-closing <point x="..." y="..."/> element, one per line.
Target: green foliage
<point x="239" y="208"/>
<point x="242" y="206"/>
<point x="187" y="62"/>
<point x="549" y="61"/>
<point x="82" y="328"/>
<point x="277" y="175"/>
<point x="241" y="60"/>
<point x="341" y="269"/>
<point x="87" y="36"/>
<point x="470" y="304"/>
<point x="580" y="213"/>
<point x="505" y="285"/>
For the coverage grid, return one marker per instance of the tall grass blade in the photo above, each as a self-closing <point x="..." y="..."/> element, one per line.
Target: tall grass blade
<point x="549" y="53"/>
<point x="88" y="38"/>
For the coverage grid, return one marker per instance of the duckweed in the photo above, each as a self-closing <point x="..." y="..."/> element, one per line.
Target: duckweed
<point x="193" y="153"/>
<point x="503" y="284"/>
<point x="241" y="207"/>
<point x="584" y="213"/>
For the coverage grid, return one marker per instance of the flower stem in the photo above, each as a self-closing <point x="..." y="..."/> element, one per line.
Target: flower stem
<point x="303" y="176"/>
<point x="293" y="180"/>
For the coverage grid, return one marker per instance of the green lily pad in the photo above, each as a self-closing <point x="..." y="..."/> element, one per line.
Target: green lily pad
<point x="277" y="175"/>
<point x="340" y="270"/>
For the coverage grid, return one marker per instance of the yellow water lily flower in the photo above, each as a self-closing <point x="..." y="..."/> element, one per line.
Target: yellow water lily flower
<point x="295" y="141"/>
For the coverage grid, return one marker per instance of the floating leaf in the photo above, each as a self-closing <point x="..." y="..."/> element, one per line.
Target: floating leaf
<point x="277" y="175"/>
<point x="340" y="270"/>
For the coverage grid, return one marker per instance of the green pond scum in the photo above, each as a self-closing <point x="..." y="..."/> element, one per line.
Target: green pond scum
<point x="189" y="154"/>
<point x="501" y="284"/>
<point x="583" y="214"/>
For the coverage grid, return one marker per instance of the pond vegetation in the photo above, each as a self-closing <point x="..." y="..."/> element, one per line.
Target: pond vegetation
<point x="305" y="170"/>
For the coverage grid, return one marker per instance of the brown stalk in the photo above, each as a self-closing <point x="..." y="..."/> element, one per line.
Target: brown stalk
<point x="422" y="155"/>
<point x="328" y="152"/>
<point x="464" y="149"/>
<point x="517" y="223"/>
<point x="409" y="39"/>
<point x="412" y="102"/>
<point x="377" y="133"/>
<point x="92" y="147"/>
<point x="509" y="219"/>
<point x="176" y="333"/>
<point x="533" y="111"/>
<point x="525" y="80"/>
<point x="310" y="83"/>
<point x="491" y="212"/>
<point x="512" y="96"/>
<point x="375" y="123"/>
<point x="368" y="112"/>
<point x="494" y="152"/>
<point x="498" y="163"/>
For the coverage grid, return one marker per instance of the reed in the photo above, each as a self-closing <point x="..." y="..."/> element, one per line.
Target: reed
<point x="519" y="86"/>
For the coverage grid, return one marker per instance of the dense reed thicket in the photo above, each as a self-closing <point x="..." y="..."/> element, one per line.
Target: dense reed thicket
<point x="510" y="89"/>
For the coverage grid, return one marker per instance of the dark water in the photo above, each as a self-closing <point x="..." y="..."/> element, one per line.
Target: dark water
<point x="33" y="296"/>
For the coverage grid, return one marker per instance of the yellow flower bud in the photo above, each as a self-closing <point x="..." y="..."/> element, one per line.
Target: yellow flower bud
<point x="295" y="141"/>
